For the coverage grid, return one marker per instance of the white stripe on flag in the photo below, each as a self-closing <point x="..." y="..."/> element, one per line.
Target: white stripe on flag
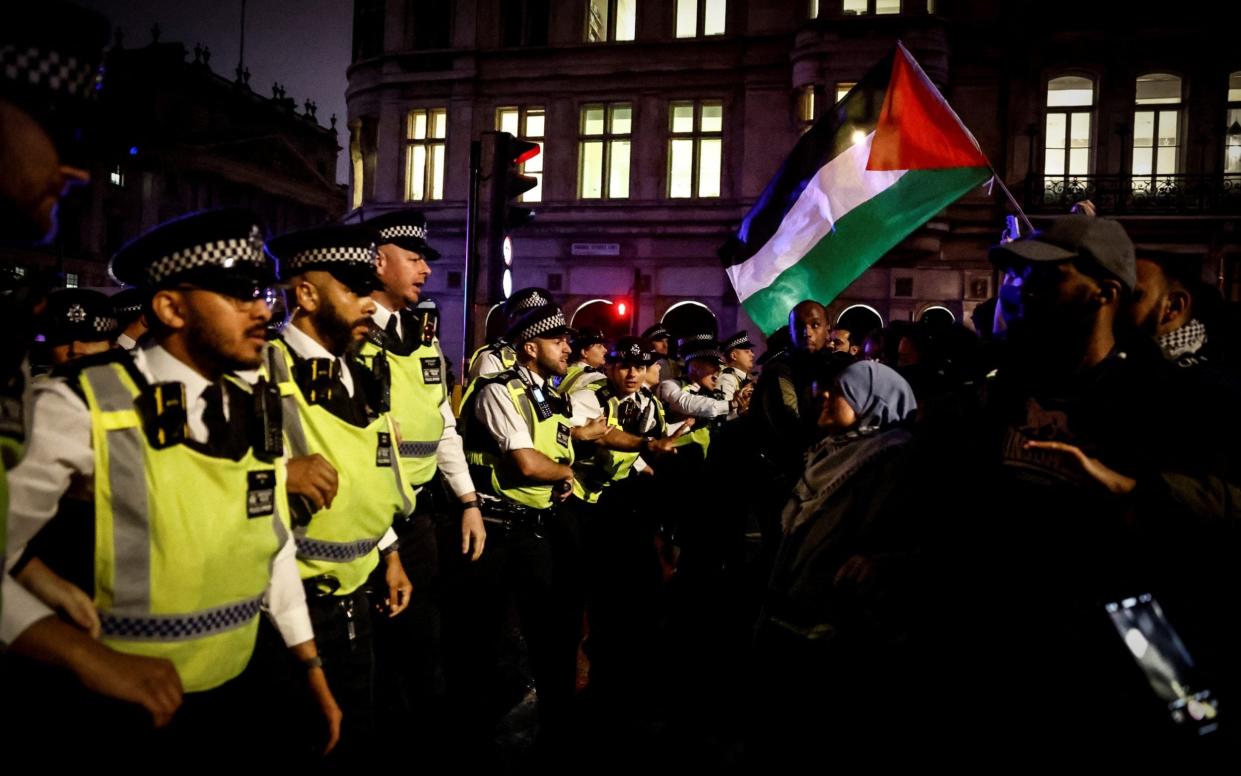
<point x="837" y="188"/>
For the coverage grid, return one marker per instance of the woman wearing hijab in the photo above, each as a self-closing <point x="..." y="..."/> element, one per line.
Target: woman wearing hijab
<point x="835" y="616"/>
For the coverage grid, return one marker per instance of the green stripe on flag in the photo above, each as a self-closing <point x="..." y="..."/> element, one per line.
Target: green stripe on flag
<point x="860" y="239"/>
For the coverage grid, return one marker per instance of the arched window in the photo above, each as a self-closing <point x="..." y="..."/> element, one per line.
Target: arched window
<point x="1157" y="131"/>
<point x="601" y="314"/>
<point x="937" y="315"/>
<point x="1069" y="136"/>
<point x="688" y="317"/>
<point x="1232" y="141"/>
<point x="860" y="320"/>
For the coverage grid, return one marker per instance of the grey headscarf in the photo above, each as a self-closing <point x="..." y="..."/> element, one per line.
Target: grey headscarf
<point x="878" y="394"/>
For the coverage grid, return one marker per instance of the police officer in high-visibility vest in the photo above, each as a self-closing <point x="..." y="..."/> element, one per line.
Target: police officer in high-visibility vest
<point x="499" y="354"/>
<point x="336" y="421"/>
<point x="618" y="533"/>
<point x="738" y="362"/>
<point x="518" y="440"/>
<point x="697" y="395"/>
<point x="184" y="469"/>
<point x="401" y="348"/>
<point x="590" y="350"/>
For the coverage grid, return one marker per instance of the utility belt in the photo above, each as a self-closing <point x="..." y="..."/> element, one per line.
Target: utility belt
<point x="321" y="595"/>
<point x="511" y="517"/>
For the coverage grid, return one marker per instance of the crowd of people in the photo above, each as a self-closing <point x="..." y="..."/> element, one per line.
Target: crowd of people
<point x="236" y="531"/>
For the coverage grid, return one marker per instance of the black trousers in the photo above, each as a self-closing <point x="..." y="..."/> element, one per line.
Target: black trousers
<point x="625" y="596"/>
<point x="537" y="577"/>
<point x="46" y="713"/>
<point x="408" y="678"/>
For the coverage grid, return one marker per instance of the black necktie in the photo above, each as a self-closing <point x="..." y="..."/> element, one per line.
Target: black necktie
<point x="394" y="336"/>
<point x="213" y="415"/>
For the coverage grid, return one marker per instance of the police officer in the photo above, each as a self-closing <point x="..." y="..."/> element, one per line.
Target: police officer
<point x="51" y="54"/>
<point x="402" y="350"/>
<point x="131" y="324"/>
<point x="77" y="322"/>
<point x="499" y="354"/>
<point x="696" y="394"/>
<point x="621" y="566"/>
<point x="518" y="441"/>
<point x="190" y="528"/>
<point x="738" y="361"/>
<point x="590" y="350"/>
<point x="660" y="338"/>
<point x="335" y="423"/>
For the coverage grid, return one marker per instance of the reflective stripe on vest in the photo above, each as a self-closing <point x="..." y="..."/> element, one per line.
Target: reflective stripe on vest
<point x="185" y="542"/>
<point x="415" y="407"/>
<point x="340" y="540"/>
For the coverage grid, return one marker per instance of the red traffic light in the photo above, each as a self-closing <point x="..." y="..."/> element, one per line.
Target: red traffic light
<point x="622" y="308"/>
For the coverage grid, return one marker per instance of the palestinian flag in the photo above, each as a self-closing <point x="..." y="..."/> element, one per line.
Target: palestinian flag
<point x="874" y="168"/>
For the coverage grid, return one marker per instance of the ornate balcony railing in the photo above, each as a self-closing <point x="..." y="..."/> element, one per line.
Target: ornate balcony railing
<point x="1138" y="194"/>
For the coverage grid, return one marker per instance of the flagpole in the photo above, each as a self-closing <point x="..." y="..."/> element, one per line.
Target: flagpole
<point x="995" y="176"/>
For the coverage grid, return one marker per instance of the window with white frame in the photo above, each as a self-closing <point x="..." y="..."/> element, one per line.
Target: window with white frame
<point x="695" y="148"/>
<point x="425" y="138"/>
<point x="1157" y="129"/>
<point x="1069" y="129"/>
<point x="605" y="137"/>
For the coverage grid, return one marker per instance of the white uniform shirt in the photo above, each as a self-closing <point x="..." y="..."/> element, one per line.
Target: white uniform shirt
<point x="59" y="452"/>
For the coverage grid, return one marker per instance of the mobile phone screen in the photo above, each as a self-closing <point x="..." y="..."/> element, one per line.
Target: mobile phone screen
<point x="1165" y="661"/>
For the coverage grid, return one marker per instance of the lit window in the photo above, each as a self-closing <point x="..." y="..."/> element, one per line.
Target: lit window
<point x="426" y="130"/>
<point x="812" y="12"/>
<point x="611" y="20"/>
<point x="603" y="151"/>
<point x="695" y="149"/>
<point x="843" y="88"/>
<point x="1156" y="129"/>
<point x="526" y="123"/>
<point x="71" y="280"/>
<point x="356" y="165"/>
<point x="700" y="18"/>
<point x="19" y="272"/>
<point x="869" y="7"/>
<point x="117" y="177"/>
<point x="805" y="107"/>
<point x="1232" y="132"/>
<point x="1070" y="112"/>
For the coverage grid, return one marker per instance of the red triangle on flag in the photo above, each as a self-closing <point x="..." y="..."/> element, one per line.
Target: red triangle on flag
<point x="917" y="129"/>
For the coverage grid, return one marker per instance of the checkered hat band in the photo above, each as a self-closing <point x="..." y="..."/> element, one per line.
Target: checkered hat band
<point x="338" y="552"/>
<point x="353" y="255"/>
<point x="180" y="627"/>
<point x="130" y="308"/>
<point x="221" y="253"/>
<point x="543" y="326"/>
<point x="104" y="324"/>
<point x="531" y="302"/>
<point x="717" y="355"/>
<point x="737" y="342"/>
<point x="403" y="231"/>
<point x="49" y="70"/>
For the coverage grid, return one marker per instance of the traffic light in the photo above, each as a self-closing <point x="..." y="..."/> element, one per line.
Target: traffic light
<point x="504" y="214"/>
<point x="621" y="306"/>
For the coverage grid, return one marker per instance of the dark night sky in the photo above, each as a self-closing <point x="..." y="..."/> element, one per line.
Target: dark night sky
<point x="303" y="44"/>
